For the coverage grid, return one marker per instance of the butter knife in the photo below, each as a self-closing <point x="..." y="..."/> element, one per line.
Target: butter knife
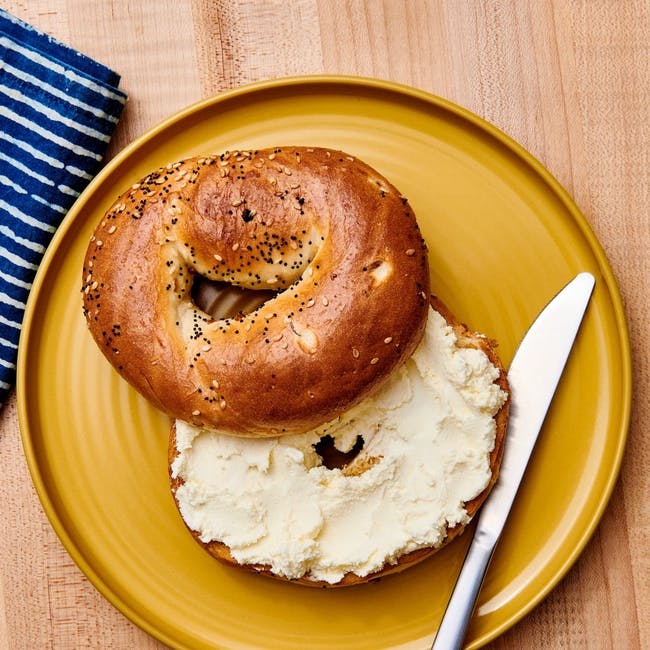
<point x="534" y="375"/>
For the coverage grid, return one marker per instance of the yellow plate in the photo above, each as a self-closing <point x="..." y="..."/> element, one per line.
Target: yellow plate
<point x="503" y="236"/>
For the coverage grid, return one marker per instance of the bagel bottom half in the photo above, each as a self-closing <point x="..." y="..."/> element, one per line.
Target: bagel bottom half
<point x="465" y="338"/>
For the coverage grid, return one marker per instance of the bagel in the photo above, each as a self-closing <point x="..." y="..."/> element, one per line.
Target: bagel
<point x="331" y="236"/>
<point x="232" y="491"/>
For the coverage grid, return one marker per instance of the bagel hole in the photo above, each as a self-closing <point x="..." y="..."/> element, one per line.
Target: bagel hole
<point x="334" y="458"/>
<point x="223" y="300"/>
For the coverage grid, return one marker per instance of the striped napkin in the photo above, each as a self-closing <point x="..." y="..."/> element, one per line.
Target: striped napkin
<point x="58" y="109"/>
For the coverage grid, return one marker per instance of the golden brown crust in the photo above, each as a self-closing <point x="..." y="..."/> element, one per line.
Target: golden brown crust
<point x="466" y="338"/>
<point x="330" y="231"/>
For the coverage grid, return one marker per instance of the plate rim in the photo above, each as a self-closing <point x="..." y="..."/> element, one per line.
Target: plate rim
<point x="332" y="81"/>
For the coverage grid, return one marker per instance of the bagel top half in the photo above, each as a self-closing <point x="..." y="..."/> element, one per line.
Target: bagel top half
<point x="333" y="237"/>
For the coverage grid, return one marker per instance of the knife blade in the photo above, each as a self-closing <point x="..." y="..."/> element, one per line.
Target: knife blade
<point x="534" y="375"/>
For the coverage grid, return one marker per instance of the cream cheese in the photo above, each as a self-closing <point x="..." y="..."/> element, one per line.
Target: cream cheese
<point x="428" y="434"/>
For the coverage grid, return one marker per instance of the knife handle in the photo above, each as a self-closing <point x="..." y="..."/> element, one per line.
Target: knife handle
<point x="451" y="633"/>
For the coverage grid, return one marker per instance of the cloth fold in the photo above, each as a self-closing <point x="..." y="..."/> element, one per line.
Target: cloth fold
<point x="58" y="110"/>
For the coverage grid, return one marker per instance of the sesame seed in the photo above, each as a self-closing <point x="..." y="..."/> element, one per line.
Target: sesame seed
<point x="374" y="360"/>
<point x="287" y="171"/>
<point x="112" y="229"/>
<point x="215" y="383"/>
<point x="236" y="203"/>
<point x="222" y="404"/>
<point x="196" y="412"/>
<point x="388" y="339"/>
<point x="410" y="251"/>
<point x="310" y="302"/>
<point x="249" y="361"/>
<point x="271" y="156"/>
<point x="325" y="301"/>
<point x="206" y="348"/>
<point x="235" y="246"/>
<point x="355" y="353"/>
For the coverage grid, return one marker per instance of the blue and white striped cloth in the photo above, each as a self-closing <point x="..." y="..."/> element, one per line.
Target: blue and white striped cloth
<point x="58" y="109"/>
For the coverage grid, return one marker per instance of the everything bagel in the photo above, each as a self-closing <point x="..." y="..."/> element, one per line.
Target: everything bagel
<point x="430" y="454"/>
<point x="333" y="237"/>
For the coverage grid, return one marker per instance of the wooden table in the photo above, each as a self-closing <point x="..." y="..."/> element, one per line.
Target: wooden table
<point x="569" y="80"/>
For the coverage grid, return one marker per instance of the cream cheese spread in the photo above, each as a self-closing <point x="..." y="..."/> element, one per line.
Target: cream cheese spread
<point x="428" y="434"/>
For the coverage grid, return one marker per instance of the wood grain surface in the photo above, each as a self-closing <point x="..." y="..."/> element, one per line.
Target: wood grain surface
<point x="567" y="79"/>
